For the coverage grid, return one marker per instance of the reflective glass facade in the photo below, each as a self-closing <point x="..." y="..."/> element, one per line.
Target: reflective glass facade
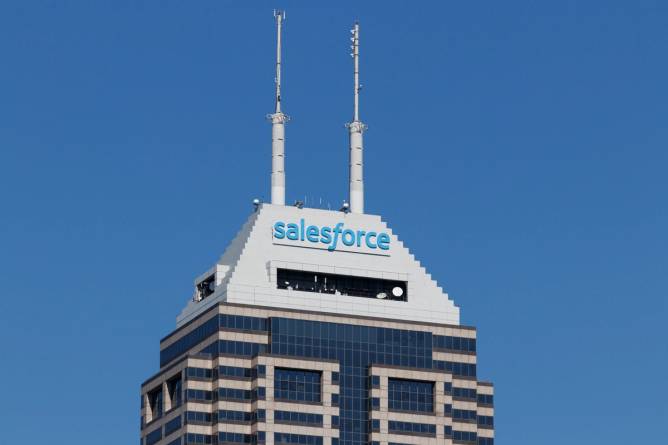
<point x="355" y="348"/>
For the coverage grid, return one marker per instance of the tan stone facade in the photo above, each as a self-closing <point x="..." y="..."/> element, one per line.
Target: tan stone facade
<point x="158" y="390"/>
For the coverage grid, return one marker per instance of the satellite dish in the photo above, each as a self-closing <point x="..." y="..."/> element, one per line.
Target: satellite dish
<point x="397" y="291"/>
<point x="381" y="296"/>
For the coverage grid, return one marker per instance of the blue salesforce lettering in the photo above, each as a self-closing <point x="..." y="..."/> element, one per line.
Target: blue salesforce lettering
<point x="331" y="236"/>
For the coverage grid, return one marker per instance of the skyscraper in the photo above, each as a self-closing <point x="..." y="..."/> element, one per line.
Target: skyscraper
<point x="317" y="327"/>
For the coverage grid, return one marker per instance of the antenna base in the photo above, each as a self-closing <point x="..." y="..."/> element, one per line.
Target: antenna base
<point x="278" y="118"/>
<point x="357" y="127"/>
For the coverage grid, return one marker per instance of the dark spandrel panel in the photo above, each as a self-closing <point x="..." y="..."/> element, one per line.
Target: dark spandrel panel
<point x="410" y="395"/>
<point x="485" y="441"/>
<point x="356" y="348"/>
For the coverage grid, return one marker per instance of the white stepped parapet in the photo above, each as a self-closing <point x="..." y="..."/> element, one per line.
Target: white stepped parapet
<point x="247" y="269"/>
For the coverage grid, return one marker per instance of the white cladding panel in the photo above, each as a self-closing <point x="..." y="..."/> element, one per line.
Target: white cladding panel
<point x="246" y="273"/>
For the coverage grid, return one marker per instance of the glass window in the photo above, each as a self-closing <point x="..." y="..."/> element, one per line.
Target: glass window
<point x="410" y="395"/>
<point x="486" y="421"/>
<point x="172" y="425"/>
<point x="198" y="417"/>
<point x="297" y="385"/>
<point x="464" y="415"/>
<point x="464" y="393"/>
<point x="198" y="373"/>
<point x="198" y="395"/>
<point x="296" y="439"/>
<point x="464" y="436"/>
<point x="234" y="394"/>
<point x="298" y="418"/>
<point x="154" y="436"/>
<point x="226" y="437"/>
<point x="234" y="372"/>
<point x="419" y="429"/>
<point x="485" y="399"/>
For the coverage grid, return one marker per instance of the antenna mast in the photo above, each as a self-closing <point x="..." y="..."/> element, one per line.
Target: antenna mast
<point x="278" y="120"/>
<point x="356" y="129"/>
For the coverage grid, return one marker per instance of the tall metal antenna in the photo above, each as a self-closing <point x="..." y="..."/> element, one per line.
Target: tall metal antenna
<point x="356" y="129"/>
<point x="278" y="120"/>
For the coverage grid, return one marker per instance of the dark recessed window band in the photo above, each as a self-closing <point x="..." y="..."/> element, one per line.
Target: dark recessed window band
<point x="464" y="415"/>
<point x="485" y="399"/>
<point x="464" y="437"/>
<point x="297" y="418"/>
<point x="456" y="368"/>
<point x="449" y="343"/>
<point x="418" y="429"/>
<point x="410" y="395"/>
<point x="198" y="439"/>
<point x="154" y="436"/>
<point x="207" y="329"/>
<point x="334" y="284"/>
<point x="486" y="421"/>
<point x="172" y="425"/>
<point x="198" y="417"/>
<point x="464" y="393"/>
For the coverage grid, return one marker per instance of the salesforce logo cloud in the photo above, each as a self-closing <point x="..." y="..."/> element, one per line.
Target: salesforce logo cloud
<point x="331" y="236"/>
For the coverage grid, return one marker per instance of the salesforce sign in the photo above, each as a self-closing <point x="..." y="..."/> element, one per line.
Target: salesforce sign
<point x="331" y="238"/>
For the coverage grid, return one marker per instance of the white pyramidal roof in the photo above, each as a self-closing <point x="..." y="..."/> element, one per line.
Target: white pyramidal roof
<point x="246" y="273"/>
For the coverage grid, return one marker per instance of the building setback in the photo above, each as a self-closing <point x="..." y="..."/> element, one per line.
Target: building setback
<point x="317" y="327"/>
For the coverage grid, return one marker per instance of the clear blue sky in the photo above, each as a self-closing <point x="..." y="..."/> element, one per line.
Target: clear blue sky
<point x="519" y="148"/>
